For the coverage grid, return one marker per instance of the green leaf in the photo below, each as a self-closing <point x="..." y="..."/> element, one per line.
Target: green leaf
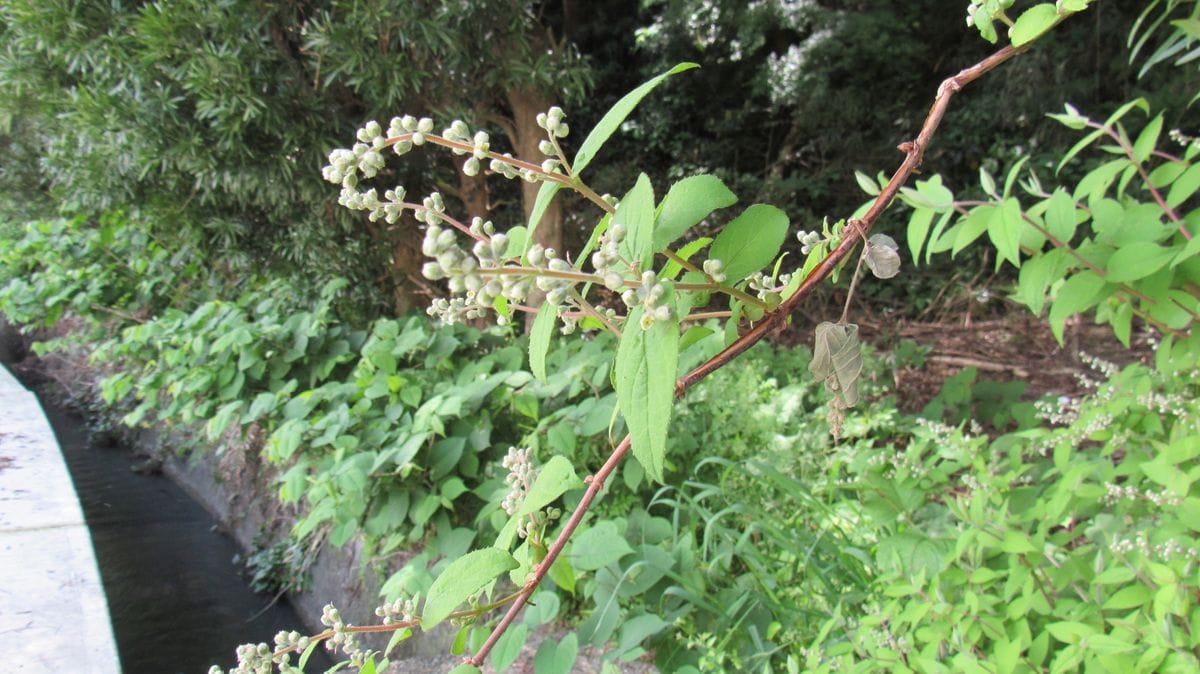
<point x="1070" y="632"/>
<point x="672" y="268"/>
<point x="466" y="669"/>
<point x="1061" y="220"/>
<point x="1032" y="23"/>
<point x="508" y="646"/>
<point x="557" y="657"/>
<point x="1037" y="273"/>
<point x="553" y="480"/>
<point x="837" y="359"/>
<point x="1079" y="293"/>
<point x="616" y="115"/>
<point x="750" y="241"/>
<point x="598" y="547"/>
<point x="1137" y="260"/>
<point x="1184" y="186"/>
<point x="1017" y="542"/>
<point x="866" y="184"/>
<point x="645" y="379"/>
<point x="224" y="417"/>
<point x="637" y="630"/>
<point x="544" y="196"/>
<point x="539" y="339"/>
<point x="970" y="227"/>
<point x="918" y="228"/>
<point x="636" y="213"/>
<point x="1127" y="598"/>
<point x="461" y="579"/>
<point x="1004" y="230"/>
<point x="688" y="202"/>
<point x="562" y="573"/>
<point x="1147" y="140"/>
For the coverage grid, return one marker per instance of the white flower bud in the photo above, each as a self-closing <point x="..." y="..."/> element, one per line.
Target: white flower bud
<point x="536" y="255"/>
<point x="541" y="119"/>
<point x="546" y="147"/>
<point x="425" y="125"/>
<point x="562" y="130"/>
<point x="499" y="245"/>
<point x="471" y="167"/>
<point x="433" y="271"/>
<point x="418" y="138"/>
<point x="613" y="280"/>
<point x="409" y="123"/>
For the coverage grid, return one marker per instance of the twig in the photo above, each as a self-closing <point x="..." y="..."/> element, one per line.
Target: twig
<point x="980" y="365"/>
<point x="914" y="152"/>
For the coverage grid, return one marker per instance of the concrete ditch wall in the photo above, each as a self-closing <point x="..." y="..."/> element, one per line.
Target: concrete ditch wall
<point x="239" y="493"/>
<point x="53" y="612"/>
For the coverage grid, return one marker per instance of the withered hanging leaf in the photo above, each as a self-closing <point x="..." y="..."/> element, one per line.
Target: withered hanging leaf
<point x="882" y="256"/>
<point x="837" y="360"/>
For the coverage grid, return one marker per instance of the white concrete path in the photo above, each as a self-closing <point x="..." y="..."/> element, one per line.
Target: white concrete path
<point x="53" y="614"/>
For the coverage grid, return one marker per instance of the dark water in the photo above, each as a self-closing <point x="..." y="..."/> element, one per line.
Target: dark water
<point x="178" y="602"/>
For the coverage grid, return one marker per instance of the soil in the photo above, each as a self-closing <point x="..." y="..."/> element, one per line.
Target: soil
<point x="1018" y="347"/>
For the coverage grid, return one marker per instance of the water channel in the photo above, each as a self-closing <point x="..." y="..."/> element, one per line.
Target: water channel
<point x="179" y="603"/>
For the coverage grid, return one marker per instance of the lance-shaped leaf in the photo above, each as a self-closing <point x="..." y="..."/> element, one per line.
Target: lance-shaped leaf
<point x="750" y="241"/>
<point x="688" y="202"/>
<point x="612" y="119"/>
<point x="882" y="256"/>
<point x="461" y="579"/>
<point x="636" y="214"/>
<point x="837" y="359"/>
<point x="544" y="196"/>
<point x="539" y="339"/>
<point x="646" y="364"/>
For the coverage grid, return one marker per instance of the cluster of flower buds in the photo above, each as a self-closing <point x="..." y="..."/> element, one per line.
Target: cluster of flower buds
<point x="521" y="473"/>
<point x="480" y="144"/>
<point x="537" y="521"/>
<point x="808" y="240"/>
<point x="332" y="618"/>
<point x="552" y="122"/>
<point x="252" y="659"/>
<point x="287" y="643"/>
<point x="648" y="296"/>
<point x="766" y="288"/>
<point x="417" y="129"/>
<point x="607" y="259"/>
<point x="467" y="276"/>
<point x="555" y="287"/>
<point x="403" y="610"/>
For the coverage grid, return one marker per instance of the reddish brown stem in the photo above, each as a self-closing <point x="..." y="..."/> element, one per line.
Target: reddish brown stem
<point x="595" y="484"/>
<point x="914" y="152"/>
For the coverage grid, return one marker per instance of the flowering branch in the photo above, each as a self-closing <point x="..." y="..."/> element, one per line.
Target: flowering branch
<point x="914" y="152"/>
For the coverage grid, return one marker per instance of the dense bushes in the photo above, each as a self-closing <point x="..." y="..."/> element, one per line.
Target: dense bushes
<point x="907" y="545"/>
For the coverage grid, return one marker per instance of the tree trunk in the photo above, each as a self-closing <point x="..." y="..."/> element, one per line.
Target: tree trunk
<point x="409" y="286"/>
<point x="526" y="103"/>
